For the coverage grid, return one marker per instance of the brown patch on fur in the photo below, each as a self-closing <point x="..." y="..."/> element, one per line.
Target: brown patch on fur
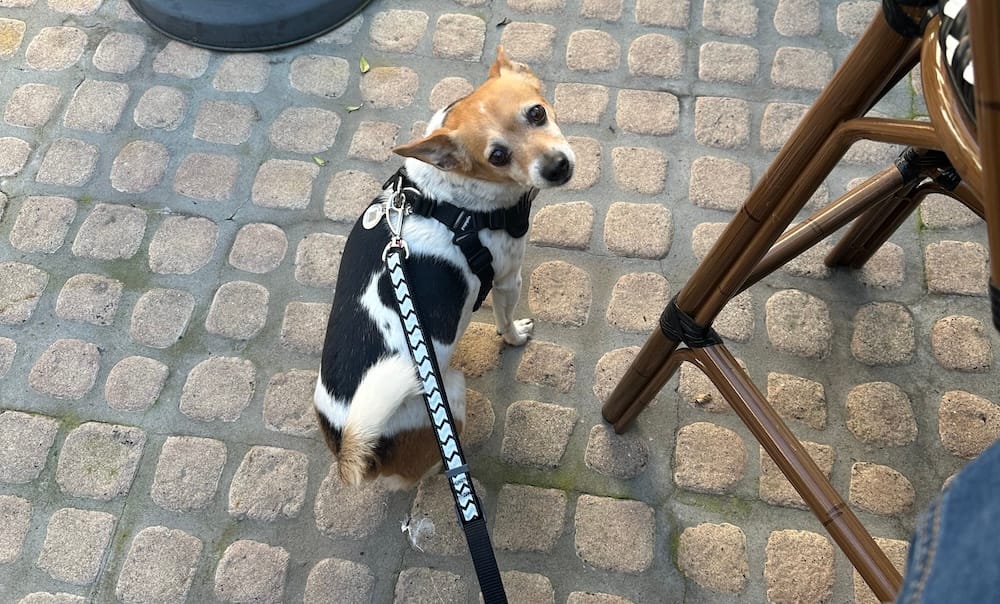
<point x="413" y="454"/>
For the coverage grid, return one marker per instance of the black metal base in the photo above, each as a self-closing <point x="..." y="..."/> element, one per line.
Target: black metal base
<point x="244" y="25"/>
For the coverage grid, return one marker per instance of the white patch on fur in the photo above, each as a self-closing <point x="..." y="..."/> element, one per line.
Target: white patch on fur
<point x="335" y="411"/>
<point x="385" y="387"/>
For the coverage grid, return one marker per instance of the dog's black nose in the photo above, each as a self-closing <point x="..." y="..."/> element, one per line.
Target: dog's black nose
<point x="557" y="169"/>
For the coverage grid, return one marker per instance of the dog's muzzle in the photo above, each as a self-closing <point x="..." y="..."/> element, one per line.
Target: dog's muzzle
<point x="557" y="168"/>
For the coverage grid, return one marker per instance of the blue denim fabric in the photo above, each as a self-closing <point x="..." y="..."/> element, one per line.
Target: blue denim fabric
<point x="955" y="549"/>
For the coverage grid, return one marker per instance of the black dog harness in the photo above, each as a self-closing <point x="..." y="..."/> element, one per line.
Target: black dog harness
<point x="465" y="225"/>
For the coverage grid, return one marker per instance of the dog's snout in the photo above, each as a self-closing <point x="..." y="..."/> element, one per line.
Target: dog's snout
<point x="557" y="169"/>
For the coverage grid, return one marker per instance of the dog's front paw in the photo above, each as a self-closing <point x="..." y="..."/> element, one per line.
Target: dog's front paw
<point x="519" y="332"/>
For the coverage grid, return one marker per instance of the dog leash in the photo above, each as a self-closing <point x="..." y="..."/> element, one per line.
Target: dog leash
<point x="468" y="507"/>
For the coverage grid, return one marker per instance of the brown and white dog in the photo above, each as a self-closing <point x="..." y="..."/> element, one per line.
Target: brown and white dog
<point x="483" y="152"/>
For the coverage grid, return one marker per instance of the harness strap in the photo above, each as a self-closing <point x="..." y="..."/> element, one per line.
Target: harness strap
<point x="466" y="224"/>
<point x="468" y="507"/>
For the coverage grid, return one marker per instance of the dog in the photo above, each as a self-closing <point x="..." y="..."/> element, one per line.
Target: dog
<point x="485" y="153"/>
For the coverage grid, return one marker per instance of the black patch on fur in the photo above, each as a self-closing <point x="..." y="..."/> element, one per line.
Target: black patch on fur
<point x="439" y="290"/>
<point x="383" y="449"/>
<point x="353" y="342"/>
<point x="330" y="432"/>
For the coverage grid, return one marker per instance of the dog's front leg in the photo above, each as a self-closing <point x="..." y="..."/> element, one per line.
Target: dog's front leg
<point x="506" y="292"/>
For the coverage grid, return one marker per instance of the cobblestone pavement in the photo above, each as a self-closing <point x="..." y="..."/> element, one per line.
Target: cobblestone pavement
<point x="171" y="222"/>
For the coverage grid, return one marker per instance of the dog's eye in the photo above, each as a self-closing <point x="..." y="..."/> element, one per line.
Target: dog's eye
<point x="500" y="156"/>
<point x="536" y="115"/>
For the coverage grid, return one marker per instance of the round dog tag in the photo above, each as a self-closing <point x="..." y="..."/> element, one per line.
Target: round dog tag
<point x="372" y="216"/>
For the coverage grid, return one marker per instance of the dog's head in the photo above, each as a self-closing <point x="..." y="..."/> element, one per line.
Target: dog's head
<point x="504" y="132"/>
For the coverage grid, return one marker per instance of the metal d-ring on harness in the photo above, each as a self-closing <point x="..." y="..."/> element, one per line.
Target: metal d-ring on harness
<point x="467" y="504"/>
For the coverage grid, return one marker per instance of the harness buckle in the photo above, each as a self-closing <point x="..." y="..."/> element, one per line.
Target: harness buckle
<point x="396" y="243"/>
<point x="464" y="223"/>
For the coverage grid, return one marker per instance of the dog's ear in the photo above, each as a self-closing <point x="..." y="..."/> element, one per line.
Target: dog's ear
<point x="437" y="149"/>
<point x="503" y="66"/>
<point x="502" y="63"/>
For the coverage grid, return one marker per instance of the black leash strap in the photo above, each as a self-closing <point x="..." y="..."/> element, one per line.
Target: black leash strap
<point x="468" y="507"/>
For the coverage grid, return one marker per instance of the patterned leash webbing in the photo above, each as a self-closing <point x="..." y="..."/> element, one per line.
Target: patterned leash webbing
<point x="470" y="514"/>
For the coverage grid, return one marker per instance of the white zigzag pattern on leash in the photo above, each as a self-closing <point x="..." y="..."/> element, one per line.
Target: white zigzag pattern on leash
<point x="460" y="483"/>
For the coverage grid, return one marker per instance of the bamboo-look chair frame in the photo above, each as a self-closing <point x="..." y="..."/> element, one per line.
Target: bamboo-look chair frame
<point x="756" y="241"/>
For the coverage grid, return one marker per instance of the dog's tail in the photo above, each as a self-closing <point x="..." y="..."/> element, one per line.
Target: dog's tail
<point x="381" y="392"/>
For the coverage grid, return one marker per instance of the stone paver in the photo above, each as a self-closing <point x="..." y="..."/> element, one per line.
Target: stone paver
<point x="187" y="472"/>
<point x="159" y="567"/>
<point x="68" y="162"/>
<point x="134" y="383"/>
<point x="967" y="423"/>
<point x="288" y="403"/>
<point x="110" y="232"/>
<point x="637" y="301"/>
<point x="613" y="534"/>
<point x="160" y="317"/>
<point x="303" y="326"/>
<point x="547" y="364"/>
<point x="182" y="245"/>
<point x="708" y="458"/>
<point x="960" y="342"/>
<point x="250" y="571"/>
<point x="619" y="456"/>
<point x="161" y="107"/>
<point x="529" y="518"/>
<point x="66" y="370"/>
<point x="218" y="388"/>
<point x="560" y="293"/>
<point x="880" y="413"/>
<point x="880" y="489"/>
<point x="352" y="582"/>
<point x="42" y="224"/>
<point x="883" y="335"/>
<point x="242" y="73"/>
<point x="346" y="512"/>
<point x="305" y="130"/>
<point x="317" y="259"/>
<point x="15" y="513"/>
<point x="478" y="351"/>
<point x="537" y="433"/>
<point x="25" y="441"/>
<point x="139" y="166"/>
<point x="797" y="398"/>
<point x="31" y="105"/>
<point x="172" y="222"/>
<point x="100" y="460"/>
<point x="799" y="567"/>
<point x="718" y="183"/>
<point x="566" y="225"/>
<point x="638" y="230"/>
<point x="258" y="248"/>
<point x="89" y="298"/>
<point x="23" y="285"/>
<point x="207" y="176"/>
<point x="956" y="267"/>
<point x="269" y="482"/>
<point x="238" y="310"/>
<point x="75" y="542"/>
<point x="799" y="324"/>
<point x="715" y="557"/>
<point x="96" y="106"/>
